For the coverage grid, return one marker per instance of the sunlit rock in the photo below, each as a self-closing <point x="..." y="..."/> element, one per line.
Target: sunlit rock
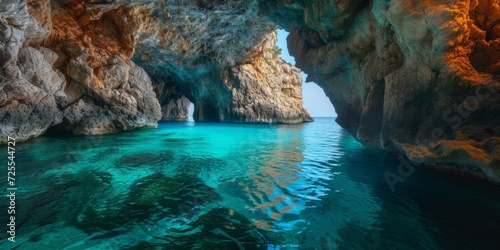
<point x="418" y="78"/>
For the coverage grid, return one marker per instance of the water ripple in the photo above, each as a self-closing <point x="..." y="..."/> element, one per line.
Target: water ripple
<point x="222" y="186"/>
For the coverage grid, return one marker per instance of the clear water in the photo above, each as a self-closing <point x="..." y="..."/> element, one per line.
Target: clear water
<point x="234" y="186"/>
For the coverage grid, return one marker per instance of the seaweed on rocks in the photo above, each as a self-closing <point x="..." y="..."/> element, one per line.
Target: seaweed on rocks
<point x="149" y="159"/>
<point x="156" y="195"/>
<point x="195" y="164"/>
<point x="67" y="197"/>
<point x="223" y="228"/>
<point x="179" y="194"/>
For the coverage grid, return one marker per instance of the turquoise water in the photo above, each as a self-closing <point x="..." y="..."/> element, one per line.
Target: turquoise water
<point x="234" y="186"/>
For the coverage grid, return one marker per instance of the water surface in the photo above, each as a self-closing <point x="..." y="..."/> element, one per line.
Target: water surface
<point x="234" y="186"/>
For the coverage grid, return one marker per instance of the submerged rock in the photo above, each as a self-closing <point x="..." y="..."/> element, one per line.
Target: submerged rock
<point x="87" y="202"/>
<point x="219" y="228"/>
<point x="75" y="199"/>
<point x="223" y="228"/>
<point x="201" y="163"/>
<point x="179" y="194"/>
<point x="145" y="159"/>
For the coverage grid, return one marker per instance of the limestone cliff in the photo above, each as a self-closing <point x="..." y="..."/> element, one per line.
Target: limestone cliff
<point x="416" y="77"/>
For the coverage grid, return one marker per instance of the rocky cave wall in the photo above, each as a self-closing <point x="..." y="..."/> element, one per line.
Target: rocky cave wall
<point x="69" y="69"/>
<point x="415" y="77"/>
<point x="77" y="63"/>
<point x="76" y="68"/>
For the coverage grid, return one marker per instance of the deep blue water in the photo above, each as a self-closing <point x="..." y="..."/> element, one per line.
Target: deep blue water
<point x="235" y="186"/>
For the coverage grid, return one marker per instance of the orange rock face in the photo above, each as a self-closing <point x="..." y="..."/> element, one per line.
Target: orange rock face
<point x="100" y="35"/>
<point x="416" y="77"/>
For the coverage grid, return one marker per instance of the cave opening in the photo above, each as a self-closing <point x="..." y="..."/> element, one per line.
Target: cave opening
<point x="191" y="112"/>
<point x="313" y="96"/>
<point x="174" y="104"/>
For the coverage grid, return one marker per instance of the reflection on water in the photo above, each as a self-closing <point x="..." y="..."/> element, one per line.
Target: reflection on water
<point x="232" y="186"/>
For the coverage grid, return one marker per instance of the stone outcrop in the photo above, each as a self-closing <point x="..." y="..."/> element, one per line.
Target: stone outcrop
<point x="415" y="77"/>
<point x="29" y="86"/>
<point x="266" y="90"/>
<point x="106" y="91"/>
<point x="194" y="46"/>
<point x="62" y="79"/>
<point x="102" y="111"/>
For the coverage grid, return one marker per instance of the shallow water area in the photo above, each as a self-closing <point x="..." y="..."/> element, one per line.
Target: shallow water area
<point x="189" y="185"/>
